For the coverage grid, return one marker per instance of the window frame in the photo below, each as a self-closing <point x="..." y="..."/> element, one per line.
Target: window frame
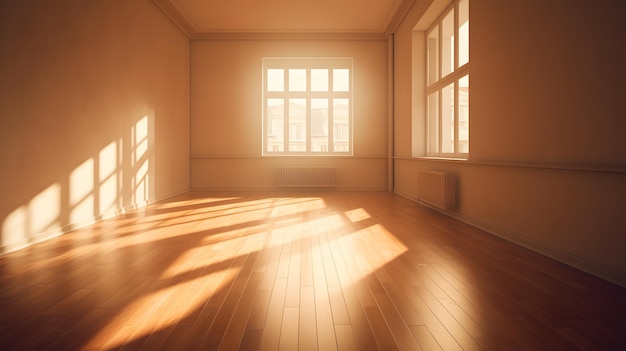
<point x="307" y="63"/>
<point x="441" y="83"/>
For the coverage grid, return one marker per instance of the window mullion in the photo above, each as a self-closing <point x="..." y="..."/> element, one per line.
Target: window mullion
<point x="447" y="80"/>
<point x="455" y="111"/>
<point x="331" y="111"/>
<point x="439" y="88"/>
<point x="308" y="111"/>
<point x="439" y="121"/>
<point x="456" y="36"/>
<point x="456" y="117"/>
<point x="440" y="51"/>
<point x="286" y="128"/>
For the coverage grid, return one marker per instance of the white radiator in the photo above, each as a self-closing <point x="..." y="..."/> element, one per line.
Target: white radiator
<point x="435" y="189"/>
<point x="303" y="177"/>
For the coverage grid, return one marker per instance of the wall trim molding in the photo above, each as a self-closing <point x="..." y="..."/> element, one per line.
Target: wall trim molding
<point x="536" y="165"/>
<point x="285" y="157"/>
<point x="286" y="190"/>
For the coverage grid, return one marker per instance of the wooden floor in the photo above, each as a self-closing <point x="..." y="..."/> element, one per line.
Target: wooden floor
<point x="289" y="271"/>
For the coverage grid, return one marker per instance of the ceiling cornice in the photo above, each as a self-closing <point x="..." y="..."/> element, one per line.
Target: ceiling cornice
<point x="287" y="36"/>
<point x="175" y="16"/>
<point x="191" y="32"/>
<point x="399" y="16"/>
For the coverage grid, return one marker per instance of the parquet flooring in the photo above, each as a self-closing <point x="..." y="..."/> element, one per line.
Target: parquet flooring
<point x="298" y="271"/>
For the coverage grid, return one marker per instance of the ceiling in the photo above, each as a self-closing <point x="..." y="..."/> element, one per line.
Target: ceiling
<point x="209" y="18"/>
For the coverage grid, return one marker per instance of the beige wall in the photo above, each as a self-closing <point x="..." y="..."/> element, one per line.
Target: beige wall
<point x="547" y="165"/>
<point x="94" y="113"/>
<point x="226" y="114"/>
<point x="104" y="108"/>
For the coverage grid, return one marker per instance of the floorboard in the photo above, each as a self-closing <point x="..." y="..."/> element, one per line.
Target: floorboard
<point x="298" y="271"/>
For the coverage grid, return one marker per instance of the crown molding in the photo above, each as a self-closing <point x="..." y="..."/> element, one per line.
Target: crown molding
<point x="323" y="36"/>
<point x="399" y="16"/>
<point x="193" y="33"/>
<point x="175" y="16"/>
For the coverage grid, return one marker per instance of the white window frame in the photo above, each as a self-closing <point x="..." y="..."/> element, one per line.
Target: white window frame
<point x="441" y="83"/>
<point x="269" y="148"/>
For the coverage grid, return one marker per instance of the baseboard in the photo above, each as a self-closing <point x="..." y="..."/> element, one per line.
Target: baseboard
<point x="406" y="195"/>
<point x="58" y="231"/>
<point x="32" y="240"/>
<point x="597" y="270"/>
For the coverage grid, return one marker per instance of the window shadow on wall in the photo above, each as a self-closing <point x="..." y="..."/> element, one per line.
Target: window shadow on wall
<point x="117" y="178"/>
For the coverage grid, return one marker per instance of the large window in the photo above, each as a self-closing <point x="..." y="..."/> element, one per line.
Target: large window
<point x="447" y="90"/>
<point x="307" y="106"/>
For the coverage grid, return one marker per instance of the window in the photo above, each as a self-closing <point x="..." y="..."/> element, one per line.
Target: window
<point x="447" y="89"/>
<point x="307" y="106"/>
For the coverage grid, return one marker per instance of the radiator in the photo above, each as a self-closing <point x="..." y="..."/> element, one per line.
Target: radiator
<point x="303" y="177"/>
<point x="435" y="189"/>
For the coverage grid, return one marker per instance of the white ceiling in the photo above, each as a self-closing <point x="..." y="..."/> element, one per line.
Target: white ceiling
<point x="209" y="17"/>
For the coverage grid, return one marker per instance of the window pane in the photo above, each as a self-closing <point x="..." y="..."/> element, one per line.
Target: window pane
<point x="297" y="80"/>
<point x="447" y="42"/>
<point x="447" y="119"/>
<point x="463" y="32"/>
<point x="275" y="125"/>
<point x="341" y="127"/>
<point x="341" y="79"/>
<point x="433" y="55"/>
<point x="275" y="80"/>
<point x="319" y="80"/>
<point x="297" y="125"/>
<point x="302" y="97"/>
<point x="319" y="125"/>
<point x="464" y="114"/>
<point x="433" y="122"/>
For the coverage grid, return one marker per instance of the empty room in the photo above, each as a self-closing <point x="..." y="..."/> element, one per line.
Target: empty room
<point x="312" y="175"/>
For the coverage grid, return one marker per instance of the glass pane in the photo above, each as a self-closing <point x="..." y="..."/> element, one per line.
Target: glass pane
<point x="464" y="114"/>
<point x="433" y="55"/>
<point x="275" y="79"/>
<point x="319" y="125"/>
<point x="463" y="32"/>
<point x="447" y="119"/>
<point x="297" y="80"/>
<point x="319" y="80"/>
<point x="275" y="125"/>
<point x="341" y="125"/>
<point x="447" y="42"/>
<point x="297" y="125"/>
<point x="341" y="79"/>
<point x="433" y="122"/>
